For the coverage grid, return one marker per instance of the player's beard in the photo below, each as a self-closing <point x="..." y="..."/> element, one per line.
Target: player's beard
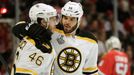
<point x="69" y="30"/>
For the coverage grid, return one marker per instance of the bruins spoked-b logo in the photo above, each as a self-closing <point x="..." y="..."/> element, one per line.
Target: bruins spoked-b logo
<point x="69" y="59"/>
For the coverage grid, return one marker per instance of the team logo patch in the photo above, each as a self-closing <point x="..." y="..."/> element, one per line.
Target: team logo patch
<point x="60" y="39"/>
<point x="69" y="59"/>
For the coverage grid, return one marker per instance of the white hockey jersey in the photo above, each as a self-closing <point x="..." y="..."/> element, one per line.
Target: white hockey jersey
<point x="75" y="55"/>
<point x="31" y="61"/>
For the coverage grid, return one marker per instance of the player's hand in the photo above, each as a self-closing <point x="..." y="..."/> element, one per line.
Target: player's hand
<point x="44" y="47"/>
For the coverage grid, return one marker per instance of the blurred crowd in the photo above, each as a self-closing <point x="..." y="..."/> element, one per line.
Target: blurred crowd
<point x="98" y="18"/>
<point x="6" y="46"/>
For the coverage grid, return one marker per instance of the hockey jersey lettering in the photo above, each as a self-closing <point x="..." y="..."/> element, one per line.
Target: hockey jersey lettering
<point x="32" y="61"/>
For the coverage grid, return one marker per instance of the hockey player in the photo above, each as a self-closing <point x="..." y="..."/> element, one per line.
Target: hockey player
<point x="76" y="55"/>
<point x="114" y="62"/>
<point x="35" y="56"/>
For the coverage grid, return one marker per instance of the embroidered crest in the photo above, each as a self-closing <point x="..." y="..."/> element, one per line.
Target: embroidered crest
<point x="60" y="39"/>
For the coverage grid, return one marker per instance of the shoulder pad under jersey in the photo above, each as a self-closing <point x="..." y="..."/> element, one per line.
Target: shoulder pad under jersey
<point x="87" y="34"/>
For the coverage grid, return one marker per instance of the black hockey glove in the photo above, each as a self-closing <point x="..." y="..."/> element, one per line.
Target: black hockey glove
<point x="38" y="32"/>
<point x="45" y="47"/>
<point x="19" y="30"/>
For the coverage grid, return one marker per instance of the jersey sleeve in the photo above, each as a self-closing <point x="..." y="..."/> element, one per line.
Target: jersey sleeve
<point x="19" y="30"/>
<point x="106" y="65"/>
<point x="90" y="66"/>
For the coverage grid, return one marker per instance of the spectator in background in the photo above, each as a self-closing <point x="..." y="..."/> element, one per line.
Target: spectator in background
<point x="129" y="50"/>
<point x="129" y="25"/>
<point x="123" y="10"/>
<point x="93" y="26"/>
<point x="83" y="24"/>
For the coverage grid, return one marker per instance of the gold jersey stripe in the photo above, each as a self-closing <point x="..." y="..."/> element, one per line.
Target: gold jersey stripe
<point x="59" y="31"/>
<point x="62" y="32"/>
<point x="86" y="39"/>
<point x="20" y="22"/>
<point x="90" y="69"/>
<point x="30" y="40"/>
<point x="22" y="70"/>
<point x="96" y="73"/>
